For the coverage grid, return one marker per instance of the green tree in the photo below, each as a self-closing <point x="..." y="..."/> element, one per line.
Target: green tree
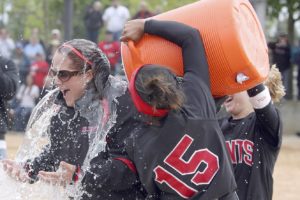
<point x="293" y="8"/>
<point x="48" y="14"/>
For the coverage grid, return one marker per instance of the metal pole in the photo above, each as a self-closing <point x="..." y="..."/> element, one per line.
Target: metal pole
<point x="68" y="19"/>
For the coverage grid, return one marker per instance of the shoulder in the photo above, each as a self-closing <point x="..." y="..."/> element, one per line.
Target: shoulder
<point x="123" y="8"/>
<point x="2" y="61"/>
<point x="7" y="64"/>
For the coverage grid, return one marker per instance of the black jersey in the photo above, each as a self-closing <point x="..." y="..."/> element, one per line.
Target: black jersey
<point x="68" y="140"/>
<point x="253" y="143"/>
<point x="112" y="175"/>
<point x="185" y="155"/>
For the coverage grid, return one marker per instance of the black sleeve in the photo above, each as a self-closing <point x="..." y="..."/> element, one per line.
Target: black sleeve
<point x="125" y="121"/>
<point x="268" y="119"/>
<point x="9" y="79"/>
<point x="108" y="174"/>
<point x="44" y="162"/>
<point x="196" y="81"/>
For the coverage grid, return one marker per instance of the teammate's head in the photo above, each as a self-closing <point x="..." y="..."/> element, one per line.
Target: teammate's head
<point x="238" y="105"/>
<point x="274" y="83"/>
<point x="157" y="87"/>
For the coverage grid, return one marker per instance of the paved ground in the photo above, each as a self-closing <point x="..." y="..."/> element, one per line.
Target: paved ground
<point x="286" y="175"/>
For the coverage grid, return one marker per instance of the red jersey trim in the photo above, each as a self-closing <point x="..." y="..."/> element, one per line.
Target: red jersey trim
<point x="129" y="164"/>
<point x="75" y="177"/>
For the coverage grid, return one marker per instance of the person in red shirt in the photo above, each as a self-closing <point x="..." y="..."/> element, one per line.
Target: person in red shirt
<point x="39" y="70"/>
<point x="111" y="49"/>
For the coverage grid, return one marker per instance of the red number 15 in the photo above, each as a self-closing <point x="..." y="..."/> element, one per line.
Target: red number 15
<point x="175" y="160"/>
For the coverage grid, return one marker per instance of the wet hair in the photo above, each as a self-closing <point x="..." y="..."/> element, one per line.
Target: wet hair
<point x="93" y="58"/>
<point x="274" y="83"/>
<point x="158" y="87"/>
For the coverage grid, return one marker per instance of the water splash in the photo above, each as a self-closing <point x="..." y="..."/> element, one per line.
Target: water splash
<point x="37" y="138"/>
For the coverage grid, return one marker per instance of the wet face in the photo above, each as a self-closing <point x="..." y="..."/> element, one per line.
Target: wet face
<point x="237" y="103"/>
<point x="70" y="81"/>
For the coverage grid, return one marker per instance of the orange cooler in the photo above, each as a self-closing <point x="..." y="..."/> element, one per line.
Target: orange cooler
<point x="233" y="39"/>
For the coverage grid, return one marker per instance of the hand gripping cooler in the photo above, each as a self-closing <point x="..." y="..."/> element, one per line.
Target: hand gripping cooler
<point x="234" y="42"/>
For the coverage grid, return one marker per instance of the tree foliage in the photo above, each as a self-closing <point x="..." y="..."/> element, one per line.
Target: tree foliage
<point x="48" y="14"/>
<point x="293" y="9"/>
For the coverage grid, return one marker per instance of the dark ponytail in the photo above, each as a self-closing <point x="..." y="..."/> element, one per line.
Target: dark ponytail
<point x="158" y="87"/>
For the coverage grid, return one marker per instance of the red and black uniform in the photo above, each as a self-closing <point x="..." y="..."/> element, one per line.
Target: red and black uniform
<point x="112" y="175"/>
<point x="253" y="143"/>
<point x="185" y="155"/>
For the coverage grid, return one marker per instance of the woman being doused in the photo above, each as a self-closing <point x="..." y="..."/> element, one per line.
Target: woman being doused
<point x="70" y="118"/>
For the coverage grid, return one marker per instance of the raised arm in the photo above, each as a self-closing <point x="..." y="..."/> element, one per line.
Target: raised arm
<point x="196" y="82"/>
<point x="186" y="37"/>
<point x="268" y="118"/>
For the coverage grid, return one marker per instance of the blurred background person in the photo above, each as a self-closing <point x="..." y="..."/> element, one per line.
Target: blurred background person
<point x="281" y="56"/>
<point x="143" y="11"/>
<point x="93" y="21"/>
<point x="39" y="70"/>
<point x="158" y="10"/>
<point x="55" y="42"/>
<point x="115" y="17"/>
<point x="111" y="49"/>
<point x="296" y="60"/>
<point x="7" y="45"/>
<point x="8" y="86"/>
<point x="21" y="61"/>
<point x="33" y="48"/>
<point x="26" y="97"/>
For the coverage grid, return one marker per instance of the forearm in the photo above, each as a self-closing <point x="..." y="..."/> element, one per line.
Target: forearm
<point x="170" y="30"/>
<point x="113" y="174"/>
<point x="266" y="113"/>
<point x="42" y="163"/>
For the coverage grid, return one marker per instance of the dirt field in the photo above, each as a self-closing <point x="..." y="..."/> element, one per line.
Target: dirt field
<point x="286" y="175"/>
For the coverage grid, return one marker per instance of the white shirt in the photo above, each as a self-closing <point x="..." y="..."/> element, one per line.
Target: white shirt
<point x="7" y="47"/>
<point x="31" y="50"/>
<point x="115" y="18"/>
<point x="29" y="96"/>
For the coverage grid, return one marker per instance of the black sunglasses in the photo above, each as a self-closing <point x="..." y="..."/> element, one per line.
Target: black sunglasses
<point x="63" y="75"/>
